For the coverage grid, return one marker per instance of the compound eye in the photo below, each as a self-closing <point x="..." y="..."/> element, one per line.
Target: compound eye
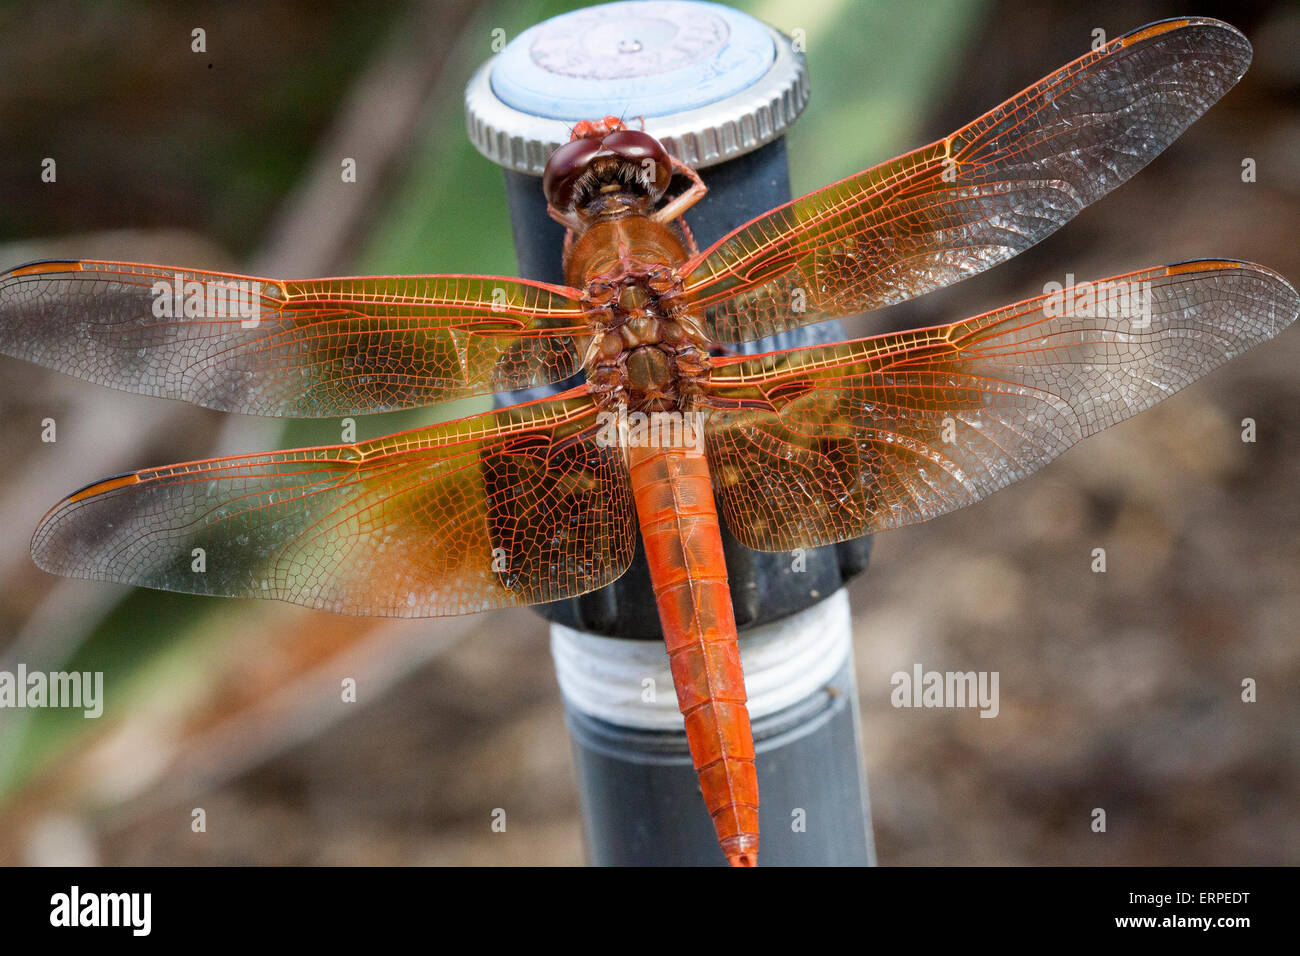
<point x="564" y="168"/>
<point x="647" y="152"/>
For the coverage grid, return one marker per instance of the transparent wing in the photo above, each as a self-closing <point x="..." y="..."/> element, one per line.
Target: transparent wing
<point x="518" y="506"/>
<point x="952" y="209"/>
<point x="816" y="445"/>
<point x="302" y="348"/>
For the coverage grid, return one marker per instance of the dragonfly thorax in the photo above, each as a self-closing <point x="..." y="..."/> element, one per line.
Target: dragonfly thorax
<point x="645" y="350"/>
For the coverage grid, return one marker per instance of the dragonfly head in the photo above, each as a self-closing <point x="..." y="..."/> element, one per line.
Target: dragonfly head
<point x="604" y="157"/>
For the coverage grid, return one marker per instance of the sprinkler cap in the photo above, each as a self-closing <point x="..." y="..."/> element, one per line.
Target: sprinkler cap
<point x="711" y="83"/>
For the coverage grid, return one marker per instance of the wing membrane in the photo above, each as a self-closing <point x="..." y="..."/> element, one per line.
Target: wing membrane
<point x="952" y="209"/>
<point x="517" y="506"/>
<point x="303" y="348"/>
<point x="816" y="445"/>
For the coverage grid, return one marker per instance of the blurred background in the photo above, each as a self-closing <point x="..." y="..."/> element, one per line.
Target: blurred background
<point x="1119" y="691"/>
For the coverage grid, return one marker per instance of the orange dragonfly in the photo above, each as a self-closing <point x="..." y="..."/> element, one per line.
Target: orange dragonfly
<point x="541" y="501"/>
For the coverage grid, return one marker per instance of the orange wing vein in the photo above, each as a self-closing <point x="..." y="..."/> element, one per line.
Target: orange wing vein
<point x="517" y="506"/>
<point x="302" y="348"/>
<point x="952" y="209"/>
<point x="816" y="445"/>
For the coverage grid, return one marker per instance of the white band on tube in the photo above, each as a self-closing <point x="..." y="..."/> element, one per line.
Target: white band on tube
<point x="785" y="661"/>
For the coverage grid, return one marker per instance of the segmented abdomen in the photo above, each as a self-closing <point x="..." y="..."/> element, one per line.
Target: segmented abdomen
<point x="679" y="525"/>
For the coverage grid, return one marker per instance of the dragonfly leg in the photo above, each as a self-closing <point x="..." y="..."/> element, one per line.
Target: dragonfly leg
<point x="686" y="200"/>
<point x="692" y="247"/>
<point x="569" y="220"/>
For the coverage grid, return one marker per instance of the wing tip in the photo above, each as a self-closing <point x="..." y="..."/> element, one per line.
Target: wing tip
<point x="1218" y="263"/>
<point x="1169" y="25"/>
<point x="41" y="535"/>
<point x="39" y="266"/>
<point x="101" y="486"/>
<point x="1287" y="299"/>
